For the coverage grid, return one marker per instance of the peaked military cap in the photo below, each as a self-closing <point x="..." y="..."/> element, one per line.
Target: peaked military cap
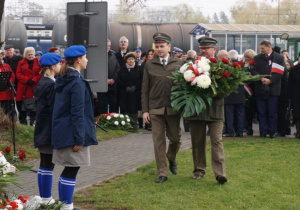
<point x="177" y="50"/>
<point x="137" y="49"/>
<point x="207" y="41"/>
<point x="159" y="36"/>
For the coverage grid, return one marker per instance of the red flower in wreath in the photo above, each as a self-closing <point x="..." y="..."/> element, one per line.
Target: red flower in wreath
<point x="252" y="62"/>
<point x="22" y="155"/>
<point x="7" y="149"/>
<point x="242" y="63"/>
<point x="225" y="74"/>
<point x="235" y="64"/>
<point x="226" y="61"/>
<point x="213" y="60"/>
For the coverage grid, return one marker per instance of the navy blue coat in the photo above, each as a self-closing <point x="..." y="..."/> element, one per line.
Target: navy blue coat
<point x="44" y="96"/>
<point x="73" y="116"/>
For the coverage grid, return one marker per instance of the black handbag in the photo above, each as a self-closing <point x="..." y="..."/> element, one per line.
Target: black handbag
<point x="28" y="104"/>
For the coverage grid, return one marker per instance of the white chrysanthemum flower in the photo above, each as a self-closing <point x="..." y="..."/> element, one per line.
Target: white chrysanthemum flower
<point x="184" y="68"/>
<point x="188" y="75"/>
<point x="206" y="73"/>
<point x="116" y="115"/>
<point x="121" y="116"/>
<point x="116" y="123"/>
<point x="204" y="65"/>
<point x="108" y="117"/>
<point x="123" y="122"/>
<point x="128" y="120"/>
<point x="203" y="81"/>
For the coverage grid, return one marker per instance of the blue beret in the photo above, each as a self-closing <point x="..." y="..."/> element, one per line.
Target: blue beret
<point x="177" y="50"/>
<point x="38" y="52"/>
<point x="137" y="49"/>
<point x="50" y="59"/>
<point x="74" y="52"/>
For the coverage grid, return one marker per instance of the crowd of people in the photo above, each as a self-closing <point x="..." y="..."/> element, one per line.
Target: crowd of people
<point x="139" y="85"/>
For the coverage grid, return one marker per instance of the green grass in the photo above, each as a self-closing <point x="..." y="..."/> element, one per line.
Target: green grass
<point x="24" y="139"/>
<point x="262" y="174"/>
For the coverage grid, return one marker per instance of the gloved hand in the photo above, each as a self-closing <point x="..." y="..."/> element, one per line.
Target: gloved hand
<point x="128" y="89"/>
<point x="133" y="89"/>
<point x="30" y="82"/>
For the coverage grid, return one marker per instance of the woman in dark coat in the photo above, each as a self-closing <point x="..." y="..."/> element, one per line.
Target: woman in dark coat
<point x="28" y="76"/>
<point x="294" y="88"/>
<point x="73" y="126"/>
<point x="130" y="80"/>
<point x="44" y="96"/>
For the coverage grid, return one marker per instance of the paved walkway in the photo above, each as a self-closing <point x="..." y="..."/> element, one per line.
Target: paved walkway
<point x="108" y="160"/>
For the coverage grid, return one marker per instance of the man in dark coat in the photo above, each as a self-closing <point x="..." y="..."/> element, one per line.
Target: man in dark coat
<point x="293" y="89"/>
<point x="12" y="60"/>
<point x="109" y="97"/>
<point x="268" y="89"/>
<point x="234" y="106"/>
<point x="212" y="117"/>
<point x="123" y="43"/>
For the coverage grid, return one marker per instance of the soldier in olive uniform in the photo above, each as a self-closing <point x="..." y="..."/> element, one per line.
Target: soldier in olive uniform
<point x="156" y="105"/>
<point x="213" y="116"/>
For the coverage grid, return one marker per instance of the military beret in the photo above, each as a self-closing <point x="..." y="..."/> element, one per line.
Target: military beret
<point x="8" y="46"/>
<point x="177" y="50"/>
<point x="138" y="49"/>
<point x="74" y="51"/>
<point x="38" y="52"/>
<point x="50" y="59"/>
<point x="159" y="36"/>
<point x="207" y="41"/>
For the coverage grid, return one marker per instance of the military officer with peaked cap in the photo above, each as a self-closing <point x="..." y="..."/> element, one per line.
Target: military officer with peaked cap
<point x="156" y="105"/>
<point x="177" y="52"/>
<point x="212" y="117"/>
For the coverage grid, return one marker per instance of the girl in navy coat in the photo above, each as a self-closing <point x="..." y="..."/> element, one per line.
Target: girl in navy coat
<point x="73" y="127"/>
<point x="44" y="96"/>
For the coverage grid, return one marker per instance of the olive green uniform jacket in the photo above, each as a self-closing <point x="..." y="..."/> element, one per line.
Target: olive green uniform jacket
<point x="156" y="87"/>
<point x="213" y="113"/>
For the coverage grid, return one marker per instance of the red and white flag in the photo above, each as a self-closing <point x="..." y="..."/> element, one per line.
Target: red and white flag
<point x="276" y="68"/>
<point x="248" y="89"/>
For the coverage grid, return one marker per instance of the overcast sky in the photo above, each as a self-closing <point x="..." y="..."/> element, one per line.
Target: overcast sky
<point x="207" y="6"/>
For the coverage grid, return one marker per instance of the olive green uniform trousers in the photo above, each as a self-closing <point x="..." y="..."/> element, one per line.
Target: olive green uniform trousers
<point x="198" y="135"/>
<point x="162" y="126"/>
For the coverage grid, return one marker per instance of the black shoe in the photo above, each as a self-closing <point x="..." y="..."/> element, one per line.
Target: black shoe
<point x="161" y="179"/>
<point x="227" y="135"/>
<point x="249" y="133"/>
<point x="239" y="135"/>
<point x="273" y="136"/>
<point x="173" y="167"/>
<point x="221" y="179"/>
<point x="280" y="135"/>
<point x="263" y="135"/>
<point x="297" y="136"/>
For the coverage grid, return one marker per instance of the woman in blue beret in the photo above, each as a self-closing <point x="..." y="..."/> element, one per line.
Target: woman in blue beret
<point x="73" y="127"/>
<point x="44" y="97"/>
